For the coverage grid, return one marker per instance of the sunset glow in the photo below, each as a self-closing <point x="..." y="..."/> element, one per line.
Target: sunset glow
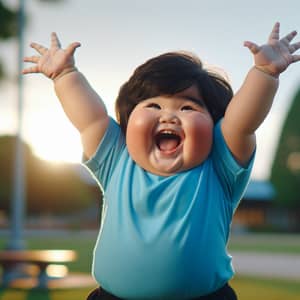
<point x="55" y="141"/>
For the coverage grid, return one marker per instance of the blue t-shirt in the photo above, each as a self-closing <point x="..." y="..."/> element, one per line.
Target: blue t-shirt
<point x="164" y="237"/>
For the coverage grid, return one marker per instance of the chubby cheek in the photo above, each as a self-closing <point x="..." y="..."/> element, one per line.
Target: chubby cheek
<point x="199" y="143"/>
<point x="138" y="135"/>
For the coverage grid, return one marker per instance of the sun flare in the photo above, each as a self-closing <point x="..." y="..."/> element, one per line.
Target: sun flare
<point x="55" y="141"/>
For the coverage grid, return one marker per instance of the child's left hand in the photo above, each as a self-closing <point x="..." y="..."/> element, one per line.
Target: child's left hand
<point x="275" y="56"/>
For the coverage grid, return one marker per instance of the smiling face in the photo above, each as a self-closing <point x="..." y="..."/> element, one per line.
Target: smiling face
<point x="169" y="134"/>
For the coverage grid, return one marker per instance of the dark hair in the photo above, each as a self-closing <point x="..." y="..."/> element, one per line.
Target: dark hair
<point x="168" y="74"/>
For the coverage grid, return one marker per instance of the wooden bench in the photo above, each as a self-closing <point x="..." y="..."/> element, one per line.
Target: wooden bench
<point x="11" y="260"/>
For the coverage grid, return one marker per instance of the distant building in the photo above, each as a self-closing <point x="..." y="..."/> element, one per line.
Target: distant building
<point x="253" y="209"/>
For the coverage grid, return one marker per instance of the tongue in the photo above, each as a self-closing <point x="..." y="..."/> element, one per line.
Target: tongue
<point x="167" y="144"/>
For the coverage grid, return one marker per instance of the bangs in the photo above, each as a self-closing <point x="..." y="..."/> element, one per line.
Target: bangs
<point x="169" y="74"/>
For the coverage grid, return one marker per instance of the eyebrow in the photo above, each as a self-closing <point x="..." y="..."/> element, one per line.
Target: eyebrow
<point x="198" y="101"/>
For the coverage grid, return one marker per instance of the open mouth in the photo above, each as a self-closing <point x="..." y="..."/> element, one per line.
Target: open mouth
<point x="167" y="140"/>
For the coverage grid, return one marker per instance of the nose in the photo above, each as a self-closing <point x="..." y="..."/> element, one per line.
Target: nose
<point x="169" y="117"/>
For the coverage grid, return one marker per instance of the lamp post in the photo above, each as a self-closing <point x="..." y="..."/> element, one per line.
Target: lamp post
<point x="16" y="241"/>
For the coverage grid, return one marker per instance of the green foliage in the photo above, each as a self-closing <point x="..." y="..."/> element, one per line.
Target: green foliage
<point x="8" y="22"/>
<point x="8" y="27"/>
<point x="1" y="71"/>
<point x="286" y="167"/>
<point x="50" y="188"/>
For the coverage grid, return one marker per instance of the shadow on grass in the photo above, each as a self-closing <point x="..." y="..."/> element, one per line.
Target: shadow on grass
<point x="36" y="294"/>
<point x="1" y="292"/>
<point x="31" y="294"/>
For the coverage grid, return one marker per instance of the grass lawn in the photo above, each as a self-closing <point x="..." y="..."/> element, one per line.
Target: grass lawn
<point x="247" y="288"/>
<point x="252" y="288"/>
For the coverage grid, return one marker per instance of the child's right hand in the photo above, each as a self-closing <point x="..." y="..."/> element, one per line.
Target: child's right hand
<point x="53" y="62"/>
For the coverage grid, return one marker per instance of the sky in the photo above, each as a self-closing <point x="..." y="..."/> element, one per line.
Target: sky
<point x="117" y="36"/>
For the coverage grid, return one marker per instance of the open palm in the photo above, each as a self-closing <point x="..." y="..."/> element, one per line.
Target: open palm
<point x="275" y="56"/>
<point x="54" y="61"/>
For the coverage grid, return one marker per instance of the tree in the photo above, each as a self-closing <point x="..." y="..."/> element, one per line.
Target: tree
<point x="285" y="173"/>
<point x="9" y="26"/>
<point x="50" y="188"/>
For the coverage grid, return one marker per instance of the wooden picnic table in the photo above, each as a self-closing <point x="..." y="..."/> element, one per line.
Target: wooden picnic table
<point x="11" y="259"/>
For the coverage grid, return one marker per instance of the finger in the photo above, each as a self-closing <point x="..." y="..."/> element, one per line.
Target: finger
<point x="274" y="35"/>
<point x="72" y="47"/>
<point x="288" y="38"/>
<point x="39" y="48"/>
<point x="55" y="43"/>
<point x="32" y="59"/>
<point x="294" y="47"/>
<point x="252" y="47"/>
<point x="33" y="69"/>
<point x="295" y="58"/>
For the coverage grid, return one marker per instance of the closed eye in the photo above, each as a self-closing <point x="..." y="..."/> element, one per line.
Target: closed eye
<point x="154" y="105"/>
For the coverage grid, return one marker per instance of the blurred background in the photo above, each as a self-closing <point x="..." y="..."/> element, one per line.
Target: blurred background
<point x="116" y="37"/>
<point x="56" y="192"/>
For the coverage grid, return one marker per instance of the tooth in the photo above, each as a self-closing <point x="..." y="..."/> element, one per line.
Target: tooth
<point x="167" y="131"/>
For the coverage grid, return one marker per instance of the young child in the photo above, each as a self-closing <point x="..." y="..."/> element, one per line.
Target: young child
<point x="173" y="168"/>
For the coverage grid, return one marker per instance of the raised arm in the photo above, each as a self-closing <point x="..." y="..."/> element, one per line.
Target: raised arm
<point x="81" y="103"/>
<point x="251" y="104"/>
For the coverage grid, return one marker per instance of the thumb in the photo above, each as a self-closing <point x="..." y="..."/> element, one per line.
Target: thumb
<point x="252" y="47"/>
<point x="72" y="47"/>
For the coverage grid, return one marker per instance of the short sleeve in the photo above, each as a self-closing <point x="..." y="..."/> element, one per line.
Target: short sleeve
<point x="104" y="160"/>
<point x="232" y="175"/>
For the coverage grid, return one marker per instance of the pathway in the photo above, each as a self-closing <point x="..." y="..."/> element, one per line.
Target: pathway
<point x="267" y="265"/>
